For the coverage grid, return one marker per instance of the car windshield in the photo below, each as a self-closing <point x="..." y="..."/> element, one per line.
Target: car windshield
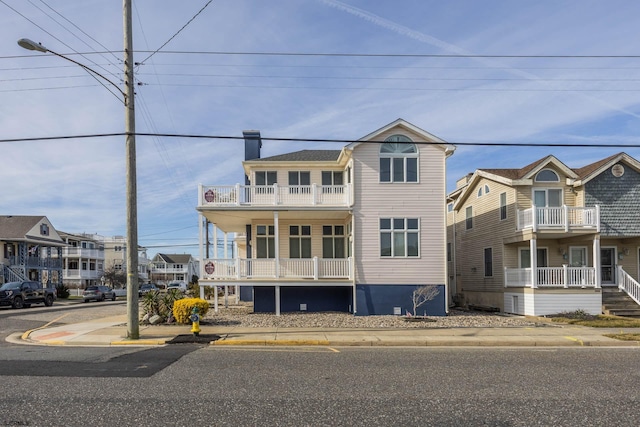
<point x="92" y="288"/>
<point x="10" y="285"/>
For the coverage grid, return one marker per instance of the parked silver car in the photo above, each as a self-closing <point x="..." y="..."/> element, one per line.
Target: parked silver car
<point x="98" y="293"/>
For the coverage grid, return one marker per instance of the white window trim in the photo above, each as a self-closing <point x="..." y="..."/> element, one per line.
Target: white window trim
<point x="406" y="231"/>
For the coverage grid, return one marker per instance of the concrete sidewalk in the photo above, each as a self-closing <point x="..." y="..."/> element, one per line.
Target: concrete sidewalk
<point x="112" y="331"/>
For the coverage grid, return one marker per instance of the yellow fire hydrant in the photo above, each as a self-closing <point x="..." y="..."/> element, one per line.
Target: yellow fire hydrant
<point x="195" y="319"/>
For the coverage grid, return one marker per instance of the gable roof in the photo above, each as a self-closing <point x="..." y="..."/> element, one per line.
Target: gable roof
<point x="511" y="177"/>
<point x="173" y="258"/>
<point x="401" y="123"/>
<point x="305" y="156"/>
<point x="17" y="227"/>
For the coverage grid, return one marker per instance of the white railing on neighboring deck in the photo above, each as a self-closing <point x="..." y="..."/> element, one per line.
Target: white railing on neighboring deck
<point x="562" y="218"/>
<point x="628" y="284"/>
<point x="275" y="195"/>
<point x="283" y="268"/>
<point x="551" y="277"/>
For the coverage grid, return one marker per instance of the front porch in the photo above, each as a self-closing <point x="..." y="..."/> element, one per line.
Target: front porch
<point x="551" y="277"/>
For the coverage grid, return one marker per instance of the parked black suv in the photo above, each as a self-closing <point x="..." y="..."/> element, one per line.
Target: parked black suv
<point x="25" y="293"/>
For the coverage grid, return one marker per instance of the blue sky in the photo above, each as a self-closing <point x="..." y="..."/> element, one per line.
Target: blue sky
<point x="544" y="95"/>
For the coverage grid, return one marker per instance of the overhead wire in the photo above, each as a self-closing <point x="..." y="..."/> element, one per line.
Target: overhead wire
<point x="326" y="140"/>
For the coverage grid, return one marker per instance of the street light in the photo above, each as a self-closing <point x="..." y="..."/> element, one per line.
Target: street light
<point x="133" y="323"/>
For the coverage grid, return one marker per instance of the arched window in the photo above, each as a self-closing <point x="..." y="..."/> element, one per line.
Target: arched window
<point x="547" y="175"/>
<point x="398" y="160"/>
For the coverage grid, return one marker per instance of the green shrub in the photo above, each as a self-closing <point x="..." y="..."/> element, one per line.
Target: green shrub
<point x="183" y="308"/>
<point x="161" y="304"/>
<point x="62" y="291"/>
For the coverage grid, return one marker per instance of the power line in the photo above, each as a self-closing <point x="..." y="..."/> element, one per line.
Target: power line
<point x="327" y="140"/>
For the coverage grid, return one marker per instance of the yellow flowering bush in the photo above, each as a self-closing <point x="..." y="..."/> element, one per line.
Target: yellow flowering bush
<point x="183" y="308"/>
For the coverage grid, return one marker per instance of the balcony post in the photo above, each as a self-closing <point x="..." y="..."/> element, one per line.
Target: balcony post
<point x="566" y="218"/>
<point x="534" y="218"/>
<point x="315" y="268"/>
<point x="237" y="194"/>
<point x="314" y="191"/>
<point x="276" y="194"/>
<point x="565" y="275"/>
<point x="533" y="249"/>
<point x="277" y="300"/>
<point x="598" y="218"/>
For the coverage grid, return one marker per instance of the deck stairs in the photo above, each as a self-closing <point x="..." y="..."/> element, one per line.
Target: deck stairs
<point x="616" y="302"/>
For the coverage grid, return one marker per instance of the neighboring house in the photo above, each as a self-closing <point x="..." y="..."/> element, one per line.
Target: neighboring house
<point x="30" y="249"/>
<point x="545" y="238"/>
<point x="115" y="256"/>
<point x="167" y="268"/>
<point x="83" y="260"/>
<point x="354" y="230"/>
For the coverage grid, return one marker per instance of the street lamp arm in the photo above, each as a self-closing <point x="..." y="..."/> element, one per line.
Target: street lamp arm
<point x="31" y="45"/>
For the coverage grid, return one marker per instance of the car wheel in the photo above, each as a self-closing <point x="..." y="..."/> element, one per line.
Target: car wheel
<point x="113" y="298"/>
<point x="48" y="301"/>
<point x="85" y="300"/>
<point x="17" y="302"/>
<point x="101" y="298"/>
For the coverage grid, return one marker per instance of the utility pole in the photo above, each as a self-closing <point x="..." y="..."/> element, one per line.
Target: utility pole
<point x="133" y="322"/>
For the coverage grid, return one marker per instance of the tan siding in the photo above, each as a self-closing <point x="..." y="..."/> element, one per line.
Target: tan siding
<point x="374" y="200"/>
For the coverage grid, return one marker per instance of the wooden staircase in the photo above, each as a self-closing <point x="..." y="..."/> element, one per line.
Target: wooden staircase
<point x="616" y="302"/>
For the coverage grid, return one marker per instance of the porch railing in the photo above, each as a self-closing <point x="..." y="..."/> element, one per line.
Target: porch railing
<point x="275" y="195"/>
<point x="37" y="262"/>
<point x="283" y="268"/>
<point x="562" y="218"/>
<point x="551" y="277"/>
<point x="628" y="284"/>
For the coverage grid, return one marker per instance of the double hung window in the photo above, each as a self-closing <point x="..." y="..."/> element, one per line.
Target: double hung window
<point x="265" y="241"/>
<point x="333" y="241"/>
<point x="300" y="241"/>
<point x="299" y="182"/>
<point x="399" y="237"/>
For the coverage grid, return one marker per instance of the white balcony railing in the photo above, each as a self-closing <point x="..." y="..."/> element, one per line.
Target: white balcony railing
<point x="275" y="195"/>
<point x="81" y="274"/>
<point x="284" y="268"/>
<point x="75" y="252"/>
<point x="559" y="218"/>
<point x="551" y="277"/>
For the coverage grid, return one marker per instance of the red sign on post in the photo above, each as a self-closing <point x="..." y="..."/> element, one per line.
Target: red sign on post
<point x="210" y="196"/>
<point x="209" y="268"/>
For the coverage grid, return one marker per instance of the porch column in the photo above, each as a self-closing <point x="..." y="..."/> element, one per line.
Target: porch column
<point x="276" y="238"/>
<point x="215" y="241"/>
<point x="533" y="249"/>
<point x="597" y="262"/>
<point x="277" y="300"/>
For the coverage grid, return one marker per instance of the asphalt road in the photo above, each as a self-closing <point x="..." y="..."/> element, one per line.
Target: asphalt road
<point x="186" y="385"/>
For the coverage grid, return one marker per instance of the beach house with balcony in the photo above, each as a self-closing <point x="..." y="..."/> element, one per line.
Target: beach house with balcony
<point x="83" y="260"/>
<point x="30" y="249"/>
<point x="167" y="268"/>
<point x="356" y="229"/>
<point x="545" y="238"/>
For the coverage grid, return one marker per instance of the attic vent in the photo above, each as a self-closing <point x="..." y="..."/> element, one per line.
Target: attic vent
<point x="617" y="170"/>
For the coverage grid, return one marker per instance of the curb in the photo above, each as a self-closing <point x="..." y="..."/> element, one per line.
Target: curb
<point x="271" y="342"/>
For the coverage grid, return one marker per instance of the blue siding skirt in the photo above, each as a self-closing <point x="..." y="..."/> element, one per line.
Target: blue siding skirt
<point x="383" y="299"/>
<point x="324" y="298"/>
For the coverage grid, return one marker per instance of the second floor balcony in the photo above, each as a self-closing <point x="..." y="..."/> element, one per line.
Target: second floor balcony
<point x="275" y="195"/>
<point x="562" y="218"/>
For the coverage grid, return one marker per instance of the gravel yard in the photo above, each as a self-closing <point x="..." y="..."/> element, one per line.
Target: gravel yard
<point x="241" y="315"/>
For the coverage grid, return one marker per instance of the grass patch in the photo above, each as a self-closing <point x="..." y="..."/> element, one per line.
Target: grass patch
<point x="598" y="321"/>
<point x="624" y="336"/>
